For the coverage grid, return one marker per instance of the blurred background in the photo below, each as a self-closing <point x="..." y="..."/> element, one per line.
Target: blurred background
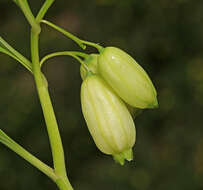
<point x="165" y="37"/>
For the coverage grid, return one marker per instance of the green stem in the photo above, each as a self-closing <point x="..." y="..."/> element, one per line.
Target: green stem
<point x="15" y="54"/>
<point x="28" y="14"/>
<point x="73" y="37"/>
<point x="64" y="184"/>
<point x="42" y="88"/>
<point x="97" y="46"/>
<point x="74" y="54"/>
<point x="43" y="10"/>
<point x="7" y="141"/>
<point x="49" y="115"/>
<point x="66" y="33"/>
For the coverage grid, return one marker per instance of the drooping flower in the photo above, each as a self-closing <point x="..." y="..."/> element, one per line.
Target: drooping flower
<point x="108" y="119"/>
<point x="127" y="78"/>
<point x="92" y="63"/>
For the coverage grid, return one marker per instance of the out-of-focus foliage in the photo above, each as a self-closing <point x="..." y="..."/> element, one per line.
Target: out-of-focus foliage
<point x="166" y="38"/>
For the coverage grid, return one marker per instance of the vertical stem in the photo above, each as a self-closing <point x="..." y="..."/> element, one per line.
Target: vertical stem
<point x="43" y="10"/>
<point x="42" y="88"/>
<point x="50" y="119"/>
<point x="23" y="4"/>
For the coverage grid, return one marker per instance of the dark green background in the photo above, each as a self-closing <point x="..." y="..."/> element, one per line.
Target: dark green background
<point x="165" y="37"/>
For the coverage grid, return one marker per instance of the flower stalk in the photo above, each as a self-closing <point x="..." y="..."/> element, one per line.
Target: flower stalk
<point x="49" y="115"/>
<point x="48" y="111"/>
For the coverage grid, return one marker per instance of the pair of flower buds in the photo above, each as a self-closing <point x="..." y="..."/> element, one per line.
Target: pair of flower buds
<point x="113" y="85"/>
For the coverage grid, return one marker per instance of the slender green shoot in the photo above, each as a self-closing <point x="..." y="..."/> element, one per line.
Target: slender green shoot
<point x="7" y="49"/>
<point x="47" y="4"/>
<point x="74" y="54"/>
<point x="50" y="118"/>
<point x="80" y="42"/>
<point x="92" y="44"/>
<point x="23" y="4"/>
<point x="7" y="141"/>
<point x="66" y="33"/>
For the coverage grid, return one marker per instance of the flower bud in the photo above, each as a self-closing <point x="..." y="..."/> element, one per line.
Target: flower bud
<point x="91" y="62"/>
<point x="127" y="78"/>
<point x="108" y="119"/>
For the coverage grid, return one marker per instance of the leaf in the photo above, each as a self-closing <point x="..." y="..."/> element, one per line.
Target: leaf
<point x="4" y="138"/>
<point x="5" y="51"/>
<point x="8" y="50"/>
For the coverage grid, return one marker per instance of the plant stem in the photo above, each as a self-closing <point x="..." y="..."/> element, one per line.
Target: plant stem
<point x="97" y="46"/>
<point x="7" y="141"/>
<point x="74" y="54"/>
<point x="66" y="33"/>
<point x="42" y="89"/>
<point x="43" y="10"/>
<point x="49" y="115"/>
<point x="28" y="14"/>
<point x="15" y="54"/>
<point x="80" y="42"/>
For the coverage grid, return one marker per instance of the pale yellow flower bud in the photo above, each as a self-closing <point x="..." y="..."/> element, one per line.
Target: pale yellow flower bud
<point x="108" y="119"/>
<point x="127" y="78"/>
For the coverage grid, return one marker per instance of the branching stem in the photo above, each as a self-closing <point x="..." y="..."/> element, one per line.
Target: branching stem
<point x="49" y="115"/>
<point x="80" y="42"/>
<point x="7" y="141"/>
<point x="43" y="10"/>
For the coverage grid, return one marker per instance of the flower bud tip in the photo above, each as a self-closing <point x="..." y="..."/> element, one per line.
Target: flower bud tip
<point x="155" y="104"/>
<point x="121" y="157"/>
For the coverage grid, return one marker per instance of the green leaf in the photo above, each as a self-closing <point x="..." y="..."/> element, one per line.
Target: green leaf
<point x="5" y="51"/>
<point x="11" y="144"/>
<point x="4" y="138"/>
<point x="8" y="50"/>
